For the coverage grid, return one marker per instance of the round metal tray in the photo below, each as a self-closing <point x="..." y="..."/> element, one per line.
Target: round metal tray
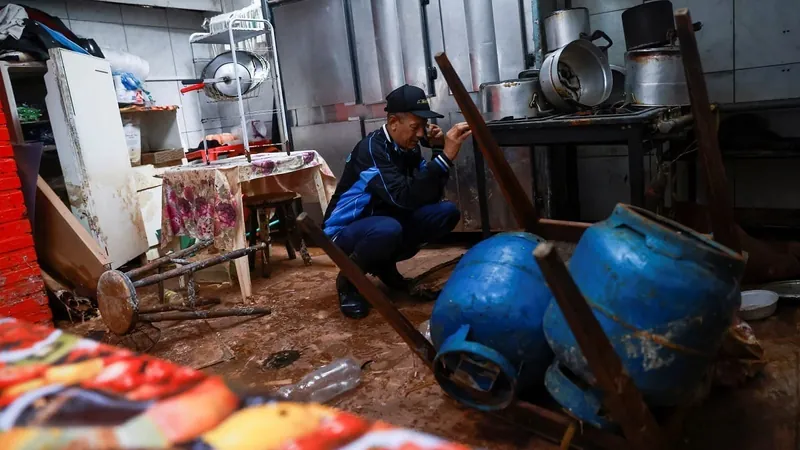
<point x="789" y="289"/>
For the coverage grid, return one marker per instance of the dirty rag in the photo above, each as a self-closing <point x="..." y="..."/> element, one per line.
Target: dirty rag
<point x="12" y="21"/>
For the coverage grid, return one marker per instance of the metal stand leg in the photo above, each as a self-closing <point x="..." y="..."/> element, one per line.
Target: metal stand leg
<point x="483" y="202"/>
<point x="636" y="166"/>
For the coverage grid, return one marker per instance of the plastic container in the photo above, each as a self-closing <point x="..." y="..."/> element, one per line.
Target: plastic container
<point x="325" y="383"/>
<point x="664" y="296"/>
<point x="425" y="329"/>
<point x="487" y="324"/>
<point x="131" y="125"/>
<point x="758" y="304"/>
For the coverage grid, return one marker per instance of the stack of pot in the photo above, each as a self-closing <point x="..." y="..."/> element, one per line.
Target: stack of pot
<point x="575" y="72"/>
<point x="653" y="62"/>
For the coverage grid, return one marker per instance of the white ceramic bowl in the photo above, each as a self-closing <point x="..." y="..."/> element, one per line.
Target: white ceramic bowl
<point x="758" y="304"/>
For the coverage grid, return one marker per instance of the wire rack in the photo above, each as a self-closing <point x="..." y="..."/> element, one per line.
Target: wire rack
<point x="243" y="30"/>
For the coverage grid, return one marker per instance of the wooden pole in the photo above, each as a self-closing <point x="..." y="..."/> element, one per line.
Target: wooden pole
<point x="720" y="206"/>
<point x="621" y="396"/>
<point x="521" y="206"/>
<point x="415" y="340"/>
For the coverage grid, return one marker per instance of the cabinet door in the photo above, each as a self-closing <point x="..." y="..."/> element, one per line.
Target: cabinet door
<point x="87" y="127"/>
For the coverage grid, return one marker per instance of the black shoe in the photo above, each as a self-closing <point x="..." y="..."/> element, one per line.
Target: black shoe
<point x="392" y="278"/>
<point x="351" y="303"/>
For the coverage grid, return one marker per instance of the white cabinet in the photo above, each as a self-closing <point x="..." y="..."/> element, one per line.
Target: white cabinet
<point x="87" y="127"/>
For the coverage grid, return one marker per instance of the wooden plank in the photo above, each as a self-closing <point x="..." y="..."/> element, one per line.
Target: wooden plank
<point x="522" y="208"/>
<point x="562" y="230"/>
<point x="720" y="205"/>
<point x="553" y="425"/>
<point x="242" y="264"/>
<point x="163" y="156"/>
<point x="622" y="397"/>
<point x="408" y="332"/>
<point x="64" y="246"/>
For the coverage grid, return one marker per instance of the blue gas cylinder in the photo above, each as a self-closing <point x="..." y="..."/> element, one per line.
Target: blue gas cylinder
<point x="487" y="323"/>
<point x="664" y="295"/>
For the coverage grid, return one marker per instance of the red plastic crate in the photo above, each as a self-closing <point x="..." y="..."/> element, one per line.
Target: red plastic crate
<point x="7" y="165"/>
<point x="33" y="308"/>
<point x="9" y="181"/>
<point x="11" y="200"/>
<point x="6" y="151"/>
<point x="12" y="243"/>
<point x="16" y="228"/>
<point x="10" y="215"/>
<point x="21" y="289"/>
<point x="14" y="275"/>
<point x="21" y="258"/>
<point x="5" y="136"/>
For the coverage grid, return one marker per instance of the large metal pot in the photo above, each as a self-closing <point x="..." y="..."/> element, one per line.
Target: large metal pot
<point x="566" y="25"/>
<point x="516" y="99"/>
<point x="655" y="77"/>
<point x="577" y="74"/>
<point x="618" y="88"/>
<point x="648" y="25"/>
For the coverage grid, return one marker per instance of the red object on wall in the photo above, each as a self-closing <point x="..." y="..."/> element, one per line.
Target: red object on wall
<point x="22" y="293"/>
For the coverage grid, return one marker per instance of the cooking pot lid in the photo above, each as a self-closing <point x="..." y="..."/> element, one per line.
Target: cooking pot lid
<point x="662" y="49"/>
<point x="566" y="10"/>
<point x="232" y="71"/>
<point x="222" y="66"/>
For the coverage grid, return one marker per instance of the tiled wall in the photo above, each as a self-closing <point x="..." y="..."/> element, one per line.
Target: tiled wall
<point x="750" y="52"/>
<point x="160" y="36"/>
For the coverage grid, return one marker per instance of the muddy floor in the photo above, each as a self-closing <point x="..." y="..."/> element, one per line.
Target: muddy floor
<point x="397" y="388"/>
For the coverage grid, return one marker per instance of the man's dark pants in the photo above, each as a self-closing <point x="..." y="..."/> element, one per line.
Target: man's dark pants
<point x="381" y="240"/>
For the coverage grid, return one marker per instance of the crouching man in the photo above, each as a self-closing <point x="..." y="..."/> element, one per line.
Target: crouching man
<point x="388" y="202"/>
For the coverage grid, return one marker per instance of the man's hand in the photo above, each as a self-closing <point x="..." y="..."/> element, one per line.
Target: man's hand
<point x="454" y="138"/>
<point x="435" y="136"/>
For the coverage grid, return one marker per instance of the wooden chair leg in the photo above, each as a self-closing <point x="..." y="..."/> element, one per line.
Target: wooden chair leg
<point x="251" y="258"/>
<point x="266" y="269"/>
<point x="294" y="232"/>
<point x="283" y="216"/>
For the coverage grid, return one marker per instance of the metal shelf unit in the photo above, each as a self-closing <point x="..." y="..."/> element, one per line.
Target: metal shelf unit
<point x="245" y="30"/>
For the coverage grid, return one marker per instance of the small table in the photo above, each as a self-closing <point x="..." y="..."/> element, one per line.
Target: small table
<point x="630" y="128"/>
<point x="205" y="201"/>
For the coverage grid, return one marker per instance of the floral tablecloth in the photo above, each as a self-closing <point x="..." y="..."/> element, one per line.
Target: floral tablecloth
<point x="60" y="391"/>
<point x="205" y="201"/>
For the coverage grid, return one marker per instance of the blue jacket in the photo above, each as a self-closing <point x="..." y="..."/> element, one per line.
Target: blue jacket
<point x="381" y="179"/>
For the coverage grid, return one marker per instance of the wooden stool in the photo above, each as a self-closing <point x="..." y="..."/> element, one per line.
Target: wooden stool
<point x="287" y="206"/>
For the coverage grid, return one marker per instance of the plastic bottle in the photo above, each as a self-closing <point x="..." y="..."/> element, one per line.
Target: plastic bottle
<point x="325" y="383"/>
<point x="425" y="329"/>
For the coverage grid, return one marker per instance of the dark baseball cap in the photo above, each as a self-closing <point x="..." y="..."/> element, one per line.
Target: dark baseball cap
<point x="410" y="99"/>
